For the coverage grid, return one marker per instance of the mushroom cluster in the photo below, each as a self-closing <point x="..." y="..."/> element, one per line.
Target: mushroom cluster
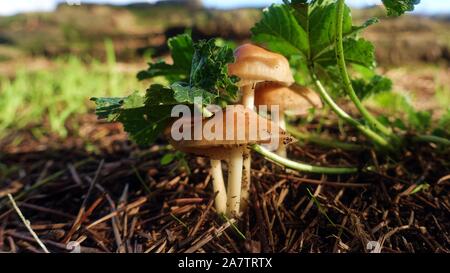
<point x="265" y="80"/>
<point x="246" y="127"/>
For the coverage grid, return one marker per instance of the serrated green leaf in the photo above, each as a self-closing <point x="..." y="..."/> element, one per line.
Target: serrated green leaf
<point x="142" y="123"/>
<point x="145" y="124"/>
<point x="356" y="51"/>
<point x="280" y="31"/>
<point x="209" y="70"/>
<point x="375" y="85"/>
<point x="322" y="27"/>
<point x="185" y="94"/>
<point x="398" y="7"/>
<point x="133" y="101"/>
<point x="108" y="108"/>
<point x="314" y="22"/>
<point x="159" y="95"/>
<point x="182" y="50"/>
<point x="360" y="52"/>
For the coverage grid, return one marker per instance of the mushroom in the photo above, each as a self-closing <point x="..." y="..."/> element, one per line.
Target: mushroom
<point x="246" y="127"/>
<point x="294" y="100"/>
<point x="254" y="64"/>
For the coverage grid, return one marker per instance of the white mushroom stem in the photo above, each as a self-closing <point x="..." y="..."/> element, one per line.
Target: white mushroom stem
<point x="220" y="200"/>
<point x="248" y="96"/>
<point x="281" y="151"/>
<point x="248" y="100"/>
<point x="235" y="163"/>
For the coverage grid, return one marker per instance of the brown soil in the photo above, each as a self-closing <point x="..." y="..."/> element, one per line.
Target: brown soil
<point x="98" y="189"/>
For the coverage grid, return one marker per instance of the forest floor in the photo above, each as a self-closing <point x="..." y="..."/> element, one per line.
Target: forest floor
<point x="101" y="191"/>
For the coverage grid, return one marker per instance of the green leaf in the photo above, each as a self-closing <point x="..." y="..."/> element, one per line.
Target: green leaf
<point x="144" y="125"/>
<point x="141" y="122"/>
<point x="108" y="108"/>
<point x="182" y="50"/>
<point x="298" y="28"/>
<point x="398" y="7"/>
<point x="133" y="101"/>
<point x="421" y="187"/>
<point x="397" y="103"/>
<point x="286" y="28"/>
<point x="159" y="95"/>
<point x="444" y="124"/>
<point x="209" y="70"/>
<point x="322" y="27"/>
<point x="167" y="159"/>
<point x="280" y="31"/>
<point x="377" y="84"/>
<point x="185" y="94"/>
<point x="356" y="51"/>
<point x="419" y="120"/>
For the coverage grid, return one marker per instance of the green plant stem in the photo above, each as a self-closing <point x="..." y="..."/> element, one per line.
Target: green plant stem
<point x="373" y="122"/>
<point x="301" y="167"/>
<point x="325" y="142"/>
<point x="435" y="139"/>
<point x="379" y="140"/>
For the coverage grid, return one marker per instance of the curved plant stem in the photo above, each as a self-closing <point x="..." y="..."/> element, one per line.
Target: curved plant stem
<point x="375" y="137"/>
<point x="435" y="139"/>
<point x="374" y="123"/>
<point x="301" y="167"/>
<point x="325" y="142"/>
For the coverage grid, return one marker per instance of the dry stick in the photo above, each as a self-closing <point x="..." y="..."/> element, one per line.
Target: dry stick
<point x="79" y="220"/>
<point x="202" y="218"/>
<point x="48" y="242"/>
<point x="27" y="224"/>
<point x="128" y="207"/>
<point x="209" y="237"/>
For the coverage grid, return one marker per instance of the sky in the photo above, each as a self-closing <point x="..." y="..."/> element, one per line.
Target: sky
<point x="9" y="7"/>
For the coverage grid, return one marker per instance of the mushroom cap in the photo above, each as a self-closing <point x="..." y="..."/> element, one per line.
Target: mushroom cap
<point x="295" y="99"/>
<point x="257" y="130"/>
<point x="255" y="64"/>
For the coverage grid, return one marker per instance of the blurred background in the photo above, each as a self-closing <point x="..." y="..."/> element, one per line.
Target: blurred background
<point x="54" y="55"/>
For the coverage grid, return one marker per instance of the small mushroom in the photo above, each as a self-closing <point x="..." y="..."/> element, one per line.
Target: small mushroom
<point x="247" y="127"/>
<point x="254" y="64"/>
<point x="294" y="100"/>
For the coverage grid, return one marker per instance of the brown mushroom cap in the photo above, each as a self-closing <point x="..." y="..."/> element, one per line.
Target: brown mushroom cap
<point x="220" y="148"/>
<point x="255" y="64"/>
<point x="295" y="99"/>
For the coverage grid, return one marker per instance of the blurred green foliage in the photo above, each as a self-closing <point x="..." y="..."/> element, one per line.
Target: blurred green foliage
<point x="47" y="98"/>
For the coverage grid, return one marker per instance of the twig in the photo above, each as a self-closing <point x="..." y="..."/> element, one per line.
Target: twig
<point x="27" y="224"/>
